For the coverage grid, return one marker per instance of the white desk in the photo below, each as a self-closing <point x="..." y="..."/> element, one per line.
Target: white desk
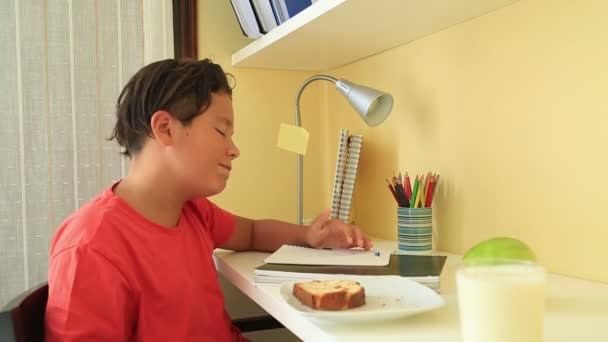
<point x="576" y="310"/>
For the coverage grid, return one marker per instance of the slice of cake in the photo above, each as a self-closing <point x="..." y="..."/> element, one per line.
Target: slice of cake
<point x="330" y="294"/>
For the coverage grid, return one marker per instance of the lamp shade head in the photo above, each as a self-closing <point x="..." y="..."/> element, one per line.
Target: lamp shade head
<point x="372" y="105"/>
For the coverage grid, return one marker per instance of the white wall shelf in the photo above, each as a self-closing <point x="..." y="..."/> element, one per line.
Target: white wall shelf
<point x="332" y="33"/>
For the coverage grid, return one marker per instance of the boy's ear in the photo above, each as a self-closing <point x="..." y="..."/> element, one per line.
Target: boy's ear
<point x="161" y="124"/>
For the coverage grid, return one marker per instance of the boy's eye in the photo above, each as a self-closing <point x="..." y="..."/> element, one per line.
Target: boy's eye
<point x="220" y="132"/>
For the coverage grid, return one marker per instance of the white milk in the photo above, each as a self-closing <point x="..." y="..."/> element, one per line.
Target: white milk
<point x="502" y="303"/>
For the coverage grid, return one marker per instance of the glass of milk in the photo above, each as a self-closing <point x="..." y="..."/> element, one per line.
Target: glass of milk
<point x="501" y="301"/>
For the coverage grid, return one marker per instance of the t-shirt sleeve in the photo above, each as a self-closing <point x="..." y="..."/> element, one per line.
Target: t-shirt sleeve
<point x="89" y="299"/>
<point x="218" y="221"/>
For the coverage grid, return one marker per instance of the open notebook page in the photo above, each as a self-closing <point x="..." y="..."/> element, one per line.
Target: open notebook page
<point x="297" y="255"/>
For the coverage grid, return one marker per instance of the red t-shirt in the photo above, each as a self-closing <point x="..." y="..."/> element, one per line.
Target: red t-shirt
<point x="116" y="276"/>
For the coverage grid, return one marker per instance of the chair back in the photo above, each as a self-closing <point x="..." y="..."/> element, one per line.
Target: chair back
<point x="22" y="319"/>
<point x="25" y="313"/>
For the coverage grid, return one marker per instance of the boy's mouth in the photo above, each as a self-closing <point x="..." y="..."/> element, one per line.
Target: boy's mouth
<point x="227" y="167"/>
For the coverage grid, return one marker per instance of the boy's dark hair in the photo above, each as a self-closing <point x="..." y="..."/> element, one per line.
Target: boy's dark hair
<point x="181" y="87"/>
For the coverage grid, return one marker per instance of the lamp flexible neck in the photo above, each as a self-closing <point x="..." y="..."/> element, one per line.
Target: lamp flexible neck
<point x="301" y="89"/>
<point x="300" y="158"/>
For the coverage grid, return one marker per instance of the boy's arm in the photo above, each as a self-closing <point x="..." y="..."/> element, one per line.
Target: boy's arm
<point x="264" y="235"/>
<point x="269" y="235"/>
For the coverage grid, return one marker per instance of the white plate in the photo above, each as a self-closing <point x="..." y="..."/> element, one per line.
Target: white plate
<point x="386" y="297"/>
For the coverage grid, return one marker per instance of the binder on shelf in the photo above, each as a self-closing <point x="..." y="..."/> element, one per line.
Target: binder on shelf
<point x="278" y="12"/>
<point x="246" y="18"/>
<point x="349" y="149"/>
<point x="257" y="18"/>
<point x="293" y="7"/>
<point x="264" y="14"/>
<point x="285" y="9"/>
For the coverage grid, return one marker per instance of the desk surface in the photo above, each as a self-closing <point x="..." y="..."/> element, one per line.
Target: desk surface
<point x="576" y="310"/>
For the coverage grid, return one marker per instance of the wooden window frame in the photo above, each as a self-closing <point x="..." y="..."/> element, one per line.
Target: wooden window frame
<point x="185" y="40"/>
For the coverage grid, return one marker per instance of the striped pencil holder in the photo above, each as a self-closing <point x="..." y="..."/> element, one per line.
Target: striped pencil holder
<point x="414" y="229"/>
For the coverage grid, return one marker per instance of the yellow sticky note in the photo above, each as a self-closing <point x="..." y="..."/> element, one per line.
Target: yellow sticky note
<point x="293" y="139"/>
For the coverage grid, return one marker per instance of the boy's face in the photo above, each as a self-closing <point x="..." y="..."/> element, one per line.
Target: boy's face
<point x="204" y="150"/>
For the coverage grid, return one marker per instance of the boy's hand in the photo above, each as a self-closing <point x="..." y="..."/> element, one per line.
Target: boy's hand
<point x="326" y="233"/>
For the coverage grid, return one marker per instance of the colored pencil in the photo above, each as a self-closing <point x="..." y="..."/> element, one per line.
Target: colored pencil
<point x="419" y="197"/>
<point x="429" y="196"/>
<point x="423" y="186"/>
<point x="408" y="186"/>
<point x="435" y="187"/>
<point x="399" y="190"/>
<point x="402" y="189"/>
<point x="390" y="187"/>
<point x="414" y="193"/>
<point x="406" y="201"/>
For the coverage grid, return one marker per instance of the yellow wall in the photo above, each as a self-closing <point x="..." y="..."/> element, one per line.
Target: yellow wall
<point x="263" y="180"/>
<point x="509" y="108"/>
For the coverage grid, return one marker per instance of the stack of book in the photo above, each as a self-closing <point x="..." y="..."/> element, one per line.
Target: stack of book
<point x="424" y="269"/>
<point x="258" y="17"/>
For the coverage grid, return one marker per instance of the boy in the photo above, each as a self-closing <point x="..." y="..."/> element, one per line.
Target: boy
<point x="136" y="262"/>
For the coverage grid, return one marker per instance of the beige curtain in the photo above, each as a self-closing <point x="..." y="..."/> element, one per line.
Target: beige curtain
<point x="63" y="64"/>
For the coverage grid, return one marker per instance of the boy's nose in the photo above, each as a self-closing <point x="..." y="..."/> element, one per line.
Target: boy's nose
<point x="234" y="151"/>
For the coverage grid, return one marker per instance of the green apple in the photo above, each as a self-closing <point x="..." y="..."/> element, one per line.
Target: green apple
<point x="499" y="250"/>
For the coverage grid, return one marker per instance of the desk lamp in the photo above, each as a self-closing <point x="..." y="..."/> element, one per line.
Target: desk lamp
<point x="372" y="105"/>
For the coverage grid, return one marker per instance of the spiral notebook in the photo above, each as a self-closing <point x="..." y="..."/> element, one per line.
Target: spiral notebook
<point x="425" y="269"/>
<point x="296" y="255"/>
<point x="349" y="149"/>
